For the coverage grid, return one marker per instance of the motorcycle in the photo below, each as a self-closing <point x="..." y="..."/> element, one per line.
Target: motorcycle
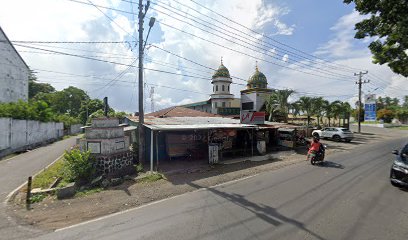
<point x="317" y="157"/>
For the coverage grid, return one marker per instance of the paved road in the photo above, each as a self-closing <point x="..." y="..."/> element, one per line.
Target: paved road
<point x="15" y="171"/>
<point x="349" y="198"/>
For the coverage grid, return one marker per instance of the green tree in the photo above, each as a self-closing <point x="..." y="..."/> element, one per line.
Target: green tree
<point x="386" y="114"/>
<point x="34" y="87"/>
<point x="405" y="104"/>
<point x="89" y="107"/>
<point x="388" y="24"/>
<point x="306" y="106"/>
<point x="282" y="97"/>
<point x="68" y="101"/>
<point x="272" y="106"/>
<point x="319" y="105"/>
<point x="279" y="100"/>
<point x="336" y="108"/>
<point x="295" y="109"/>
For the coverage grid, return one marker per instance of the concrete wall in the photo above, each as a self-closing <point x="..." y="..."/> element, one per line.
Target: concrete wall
<point x="19" y="135"/>
<point x="13" y="73"/>
<point x="75" y="129"/>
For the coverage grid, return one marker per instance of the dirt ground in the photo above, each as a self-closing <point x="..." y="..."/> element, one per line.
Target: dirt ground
<point x="52" y="214"/>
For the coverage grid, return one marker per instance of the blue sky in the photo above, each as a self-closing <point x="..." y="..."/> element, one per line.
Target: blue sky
<point x="319" y="27"/>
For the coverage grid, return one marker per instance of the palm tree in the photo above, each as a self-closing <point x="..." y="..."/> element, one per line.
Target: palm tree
<point x="282" y="97"/>
<point x="271" y="105"/>
<point x="295" y="109"/>
<point x="306" y="106"/>
<point x="336" y="109"/>
<point x="319" y="108"/>
<point x="278" y="103"/>
<point x="346" y="109"/>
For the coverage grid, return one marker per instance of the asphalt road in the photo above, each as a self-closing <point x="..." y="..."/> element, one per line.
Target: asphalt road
<point x="348" y="198"/>
<point x="15" y="171"/>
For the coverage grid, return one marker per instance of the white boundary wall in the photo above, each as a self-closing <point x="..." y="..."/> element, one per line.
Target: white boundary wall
<point x="19" y="135"/>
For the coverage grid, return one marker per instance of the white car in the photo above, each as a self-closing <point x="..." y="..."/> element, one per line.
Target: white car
<point x="337" y="134"/>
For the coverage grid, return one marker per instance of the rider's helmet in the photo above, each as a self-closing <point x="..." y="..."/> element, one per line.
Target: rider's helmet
<point x="316" y="138"/>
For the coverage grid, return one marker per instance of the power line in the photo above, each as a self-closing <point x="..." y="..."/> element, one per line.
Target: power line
<point x="71" y="42"/>
<point x="249" y="55"/>
<point x="250" y="47"/>
<point x="283" y="44"/>
<point x="255" y="41"/>
<point x="210" y="41"/>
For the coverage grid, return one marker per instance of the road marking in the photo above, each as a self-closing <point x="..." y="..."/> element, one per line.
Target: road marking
<point x="152" y="203"/>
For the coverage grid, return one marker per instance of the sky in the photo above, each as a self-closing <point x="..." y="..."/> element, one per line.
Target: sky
<point x="307" y="46"/>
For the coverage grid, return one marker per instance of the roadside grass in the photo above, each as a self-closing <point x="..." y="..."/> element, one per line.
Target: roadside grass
<point x="152" y="177"/>
<point x="49" y="175"/>
<point x="37" y="198"/>
<point x="402" y="128"/>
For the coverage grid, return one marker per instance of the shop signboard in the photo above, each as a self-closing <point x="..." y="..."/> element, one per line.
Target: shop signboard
<point x="370" y="108"/>
<point x="248" y="117"/>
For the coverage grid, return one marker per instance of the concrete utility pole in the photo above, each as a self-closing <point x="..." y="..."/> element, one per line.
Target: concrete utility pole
<point x="360" y="82"/>
<point x="141" y="84"/>
<point x="141" y="110"/>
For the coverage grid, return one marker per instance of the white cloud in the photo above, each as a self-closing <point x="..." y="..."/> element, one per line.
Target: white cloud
<point x="342" y="43"/>
<point x="285" y="58"/>
<point x="63" y="20"/>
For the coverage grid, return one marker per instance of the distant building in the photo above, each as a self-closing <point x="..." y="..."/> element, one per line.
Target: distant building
<point x="14" y="72"/>
<point x="221" y="102"/>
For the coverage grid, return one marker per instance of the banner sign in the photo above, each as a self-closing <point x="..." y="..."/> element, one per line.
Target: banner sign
<point x="370" y="112"/>
<point x="252" y="117"/>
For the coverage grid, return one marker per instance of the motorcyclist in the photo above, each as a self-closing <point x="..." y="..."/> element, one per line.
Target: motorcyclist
<point x="314" y="146"/>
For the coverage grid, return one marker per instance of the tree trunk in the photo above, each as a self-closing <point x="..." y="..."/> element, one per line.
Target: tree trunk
<point x="318" y="121"/>
<point x="308" y="120"/>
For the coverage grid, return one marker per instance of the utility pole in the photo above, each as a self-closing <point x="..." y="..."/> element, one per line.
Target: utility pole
<point x="141" y="84"/>
<point x="360" y="82"/>
<point x="141" y="110"/>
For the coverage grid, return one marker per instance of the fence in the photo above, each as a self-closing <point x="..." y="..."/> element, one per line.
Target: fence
<point x="20" y="135"/>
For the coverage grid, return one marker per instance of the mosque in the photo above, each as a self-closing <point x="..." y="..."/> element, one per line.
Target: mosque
<point x="222" y="102"/>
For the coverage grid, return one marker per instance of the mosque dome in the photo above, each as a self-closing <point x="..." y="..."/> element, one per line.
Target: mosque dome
<point x="257" y="80"/>
<point x="222" y="71"/>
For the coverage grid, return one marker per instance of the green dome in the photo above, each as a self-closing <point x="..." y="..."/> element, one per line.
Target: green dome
<point x="257" y="80"/>
<point x="222" y="71"/>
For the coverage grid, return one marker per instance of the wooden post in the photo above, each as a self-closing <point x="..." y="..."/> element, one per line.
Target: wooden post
<point x="28" y="202"/>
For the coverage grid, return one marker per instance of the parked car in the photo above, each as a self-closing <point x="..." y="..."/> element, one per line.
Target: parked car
<point x="337" y="134"/>
<point x="399" y="169"/>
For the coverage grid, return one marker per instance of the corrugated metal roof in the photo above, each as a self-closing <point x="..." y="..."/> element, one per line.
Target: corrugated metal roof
<point x="199" y="126"/>
<point x="180" y="112"/>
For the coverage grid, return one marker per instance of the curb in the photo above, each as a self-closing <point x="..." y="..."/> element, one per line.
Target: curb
<point x="12" y="194"/>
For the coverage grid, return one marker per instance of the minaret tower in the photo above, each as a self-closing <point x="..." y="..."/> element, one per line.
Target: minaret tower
<point x="221" y="97"/>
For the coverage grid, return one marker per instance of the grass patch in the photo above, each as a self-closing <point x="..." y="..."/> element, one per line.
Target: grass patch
<point x="37" y="198"/>
<point x="152" y="177"/>
<point x="88" y="192"/>
<point x="402" y="128"/>
<point x="139" y="167"/>
<point x="49" y="175"/>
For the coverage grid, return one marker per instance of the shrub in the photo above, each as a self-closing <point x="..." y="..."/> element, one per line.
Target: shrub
<point x="386" y="114"/>
<point x="78" y="165"/>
